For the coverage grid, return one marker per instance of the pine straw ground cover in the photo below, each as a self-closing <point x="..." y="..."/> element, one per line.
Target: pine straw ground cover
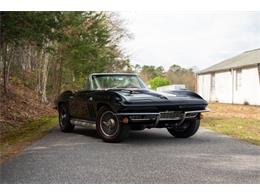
<point x="240" y="121"/>
<point x="23" y="119"/>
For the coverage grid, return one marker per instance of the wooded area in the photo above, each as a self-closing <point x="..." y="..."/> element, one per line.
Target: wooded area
<point x="51" y="51"/>
<point x="158" y="76"/>
<point x="54" y="51"/>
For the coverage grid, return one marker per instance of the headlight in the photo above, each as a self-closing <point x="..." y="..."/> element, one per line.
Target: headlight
<point x="118" y="99"/>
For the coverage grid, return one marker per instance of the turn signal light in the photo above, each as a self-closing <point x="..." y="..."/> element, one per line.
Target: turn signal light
<point x="125" y="120"/>
<point x="202" y="116"/>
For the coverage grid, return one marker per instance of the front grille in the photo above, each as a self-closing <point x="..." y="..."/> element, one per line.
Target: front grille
<point x="171" y="115"/>
<point x="143" y="117"/>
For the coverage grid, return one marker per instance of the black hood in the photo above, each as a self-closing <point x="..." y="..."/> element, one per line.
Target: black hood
<point x="153" y="97"/>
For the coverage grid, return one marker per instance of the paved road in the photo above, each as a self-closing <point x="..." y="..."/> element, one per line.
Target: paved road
<point x="150" y="156"/>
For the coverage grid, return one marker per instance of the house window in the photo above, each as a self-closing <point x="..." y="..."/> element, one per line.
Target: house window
<point x="238" y="79"/>
<point x="212" y="83"/>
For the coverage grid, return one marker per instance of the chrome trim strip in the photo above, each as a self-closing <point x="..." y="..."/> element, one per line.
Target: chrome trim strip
<point x="157" y="120"/>
<point x="188" y="112"/>
<point x="158" y="116"/>
<point x="155" y="113"/>
<point x="197" y="111"/>
<point x="133" y="113"/>
<point x="84" y="123"/>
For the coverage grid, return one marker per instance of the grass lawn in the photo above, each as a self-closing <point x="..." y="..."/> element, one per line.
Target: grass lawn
<point x="16" y="139"/>
<point x="240" y="121"/>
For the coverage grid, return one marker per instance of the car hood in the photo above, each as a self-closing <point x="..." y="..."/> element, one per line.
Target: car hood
<point x="149" y="96"/>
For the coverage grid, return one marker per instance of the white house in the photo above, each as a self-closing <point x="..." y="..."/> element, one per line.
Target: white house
<point x="235" y="80"/>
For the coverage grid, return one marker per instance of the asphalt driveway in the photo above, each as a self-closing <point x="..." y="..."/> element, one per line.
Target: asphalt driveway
<point x="150" y="156"/>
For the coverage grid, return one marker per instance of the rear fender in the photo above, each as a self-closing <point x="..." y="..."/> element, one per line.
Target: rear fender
<point x="63" y="98"/>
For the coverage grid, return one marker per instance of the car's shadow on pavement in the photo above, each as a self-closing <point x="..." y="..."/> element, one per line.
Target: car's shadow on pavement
<point x="86" y="132"/>
<point x="154" y="136"/>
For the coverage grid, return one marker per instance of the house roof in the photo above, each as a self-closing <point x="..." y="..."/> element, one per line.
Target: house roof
<point x="247" y="58"/>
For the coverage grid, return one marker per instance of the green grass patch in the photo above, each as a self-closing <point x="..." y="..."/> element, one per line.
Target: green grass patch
<point x="14" y="139"/>
<point x="244" y="129"/>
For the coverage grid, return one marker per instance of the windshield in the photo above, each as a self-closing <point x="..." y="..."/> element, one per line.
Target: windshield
<point x="117" y="81"/>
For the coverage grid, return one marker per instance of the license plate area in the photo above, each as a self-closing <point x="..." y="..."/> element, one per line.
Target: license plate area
<point x="171" y="115"/>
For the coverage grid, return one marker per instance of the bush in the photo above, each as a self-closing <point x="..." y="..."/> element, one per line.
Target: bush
<point x="158" y="82"/>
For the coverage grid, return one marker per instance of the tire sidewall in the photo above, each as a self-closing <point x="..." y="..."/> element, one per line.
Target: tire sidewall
<point x="190" y="131"/>
<point x="121" y="133"/>
<point x="67" y="127"/>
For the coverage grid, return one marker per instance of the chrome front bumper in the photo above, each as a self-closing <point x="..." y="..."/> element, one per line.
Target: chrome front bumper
<point x="179" y="116"/>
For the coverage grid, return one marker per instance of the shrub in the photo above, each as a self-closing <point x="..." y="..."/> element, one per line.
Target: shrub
<point x="158" y="82"/>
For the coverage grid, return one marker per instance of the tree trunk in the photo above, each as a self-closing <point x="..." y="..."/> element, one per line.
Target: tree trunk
<point x="3" y="53"/>
<point x="60" y="78"/>
<point x="45" y="77"/>
<point x="39" y="62"/>
<point x="4" y="58"/>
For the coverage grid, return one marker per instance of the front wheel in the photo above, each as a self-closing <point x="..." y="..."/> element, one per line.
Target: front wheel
<point x="187" y="129"/>
<point x="109" y="127"/>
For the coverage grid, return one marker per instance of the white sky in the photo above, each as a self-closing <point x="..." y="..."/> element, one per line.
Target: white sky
<point x="197" y="39"/>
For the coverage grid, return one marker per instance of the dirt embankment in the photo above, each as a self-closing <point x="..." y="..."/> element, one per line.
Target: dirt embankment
<point x="24" y="118"/>
<point x="20" y="105"/>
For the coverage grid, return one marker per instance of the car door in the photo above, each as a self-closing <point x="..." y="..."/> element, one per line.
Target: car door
<point x="82" y="105"/>
<point x="75" y="105"/>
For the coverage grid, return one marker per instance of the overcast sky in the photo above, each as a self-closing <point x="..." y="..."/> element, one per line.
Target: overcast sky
<point x="201" y="40"/>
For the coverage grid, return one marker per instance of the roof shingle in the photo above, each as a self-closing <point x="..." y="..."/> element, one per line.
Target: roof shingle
<point x="247" y="58"/>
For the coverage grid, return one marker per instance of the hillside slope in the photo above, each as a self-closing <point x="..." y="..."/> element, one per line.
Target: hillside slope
<point x="21" y="105"/>
<point x="23" y="119"/>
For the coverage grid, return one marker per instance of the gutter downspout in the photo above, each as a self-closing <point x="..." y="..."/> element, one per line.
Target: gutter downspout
<point x="232" y="73"/>
<point x="258" y="67"/>
<point x="196" y="82"/>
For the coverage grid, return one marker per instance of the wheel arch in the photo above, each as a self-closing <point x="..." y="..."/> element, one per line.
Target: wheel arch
<point x="101" y="104"/>
<point x="60" y="103"/>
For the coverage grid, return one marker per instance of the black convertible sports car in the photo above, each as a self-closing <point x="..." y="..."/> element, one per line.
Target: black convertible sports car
<point x="115" y="103"/>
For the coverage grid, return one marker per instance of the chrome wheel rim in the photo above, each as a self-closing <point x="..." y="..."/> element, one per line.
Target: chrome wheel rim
<point x="62" y="116"/>
<point x="109" y="124"/>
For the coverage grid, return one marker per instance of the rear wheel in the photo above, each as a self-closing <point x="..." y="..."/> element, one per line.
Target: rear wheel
<point x="108" y="126"/>
<point x="187" y="129"/>
<point x="64" y="119"/>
